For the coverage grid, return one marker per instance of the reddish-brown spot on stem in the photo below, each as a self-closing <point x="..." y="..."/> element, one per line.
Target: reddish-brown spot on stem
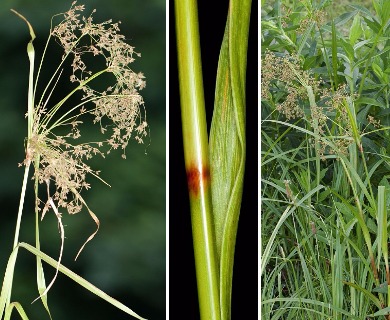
<point x="196" y="178"/>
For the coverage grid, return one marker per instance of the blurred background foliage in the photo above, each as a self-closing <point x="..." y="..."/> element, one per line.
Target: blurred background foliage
<point x="127" y="257"/>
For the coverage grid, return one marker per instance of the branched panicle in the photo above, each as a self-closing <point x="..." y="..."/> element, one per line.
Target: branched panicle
<point x="119" y="109"/>
<point x="63" y="164"/>
<point x="283" y="71"/>
<point x="121" y="101"/>
<point x="286" y="73"/>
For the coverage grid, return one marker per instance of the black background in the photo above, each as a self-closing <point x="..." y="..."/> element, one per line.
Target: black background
<point x="183" y="301"/>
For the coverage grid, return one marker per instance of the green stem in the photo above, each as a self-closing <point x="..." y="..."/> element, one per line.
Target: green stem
<point x="21" y="202"/>
<point x="313" y="107"/>
<point x="196" y="156"/>
<point x="17" y="229"/>
<point x="30" y="121"/>
<point x="30" y="115"/>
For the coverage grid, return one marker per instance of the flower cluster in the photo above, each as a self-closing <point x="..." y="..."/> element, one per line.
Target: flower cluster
<point x="285" y="73"/>
<point x="289" y="18"/>
<point x="118" y="109"/>
<point x="319" y="17"/>
<point x="376" y="123"/>
<point x="120" y="102"/>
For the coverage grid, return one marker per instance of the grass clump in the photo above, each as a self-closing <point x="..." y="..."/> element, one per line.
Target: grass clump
<point x="325" y="161"/>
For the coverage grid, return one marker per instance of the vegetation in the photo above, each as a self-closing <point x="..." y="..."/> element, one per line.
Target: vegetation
<point x="325" y="161"/>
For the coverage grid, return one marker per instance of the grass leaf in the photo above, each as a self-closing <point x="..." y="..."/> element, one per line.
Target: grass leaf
<point x="366" y="293"/>
<point x="41" y="282"/>
<point x="81" y="281"/>
<point x="7" y="282"/>
<point x="300" y="301"/>
<point x="227" y="143"/>
<point x="18" y="307"/>
<point x="382" y="312"/>
<point x="289" y="210"/>
<point x="334" y="55"/>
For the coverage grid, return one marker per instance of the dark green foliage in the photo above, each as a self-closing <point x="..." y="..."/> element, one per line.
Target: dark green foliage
<point x="325" y="160"/>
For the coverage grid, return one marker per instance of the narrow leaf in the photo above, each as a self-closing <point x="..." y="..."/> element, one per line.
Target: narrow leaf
<point x="41" y="282"/>
<point x="367" y="293"/>
<point x="382" y="225"/>
<point x="289" y="210"/>
<point x="18" y="307"/>
<point x="334" y="55"/>
<point x="227" y="143"/>
<point x="381" y="312"/>
<point x="7" y="282"/>
<point x="81" y="281"/>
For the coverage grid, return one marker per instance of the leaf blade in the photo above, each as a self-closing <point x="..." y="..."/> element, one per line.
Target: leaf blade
<point x="81" y="281"/>
<point x="227" y="143"/>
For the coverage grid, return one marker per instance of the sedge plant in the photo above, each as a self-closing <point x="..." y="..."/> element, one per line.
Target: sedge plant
<point x="325" y="146"/>
<point x="214" y="163"/>
<point x="54" y="146"/>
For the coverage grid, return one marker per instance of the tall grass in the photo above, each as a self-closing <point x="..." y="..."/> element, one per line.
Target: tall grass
<point x="325" y="161"/>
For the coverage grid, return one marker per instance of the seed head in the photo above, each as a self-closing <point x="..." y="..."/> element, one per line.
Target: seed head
<point x="118" y="110"/>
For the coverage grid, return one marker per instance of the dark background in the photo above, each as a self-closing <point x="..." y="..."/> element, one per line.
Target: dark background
<point x="126" y="259"/>
<point x="182" y="282"/>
